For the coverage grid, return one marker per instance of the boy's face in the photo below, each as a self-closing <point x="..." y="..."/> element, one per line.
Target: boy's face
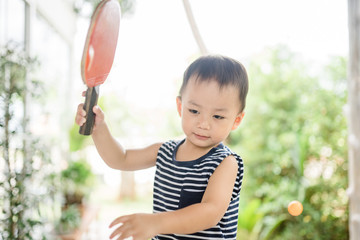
<point x="208" y="113"/>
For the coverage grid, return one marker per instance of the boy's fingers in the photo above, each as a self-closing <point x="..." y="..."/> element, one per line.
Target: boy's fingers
<point x="80" y="120"/>
<point x="80" y="116"/>
<point x="81" y="110"/>
<point x="81" y="113"/>
<point x="117" y="221"/>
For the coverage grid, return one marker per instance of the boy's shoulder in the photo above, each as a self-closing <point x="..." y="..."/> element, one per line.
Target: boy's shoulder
<point x="168" y="147"/>
<point x="170" y="144"/>
<point x="223" y="149"/>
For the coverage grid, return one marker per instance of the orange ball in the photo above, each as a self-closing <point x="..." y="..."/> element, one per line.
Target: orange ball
<point x="295" y="208"/>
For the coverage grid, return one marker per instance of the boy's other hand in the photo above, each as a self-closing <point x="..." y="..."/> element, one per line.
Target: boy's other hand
<point x="134" y="226"/>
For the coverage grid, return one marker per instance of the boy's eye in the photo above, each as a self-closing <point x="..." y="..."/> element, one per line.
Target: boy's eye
<point x="218" y="117"/>
<point x="193" y="111"/>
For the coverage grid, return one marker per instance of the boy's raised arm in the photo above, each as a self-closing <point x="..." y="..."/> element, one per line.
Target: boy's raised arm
<point x="111" y="151"/>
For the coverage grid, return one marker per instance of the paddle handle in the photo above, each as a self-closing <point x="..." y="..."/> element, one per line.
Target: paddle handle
<point x="91" y="98"/>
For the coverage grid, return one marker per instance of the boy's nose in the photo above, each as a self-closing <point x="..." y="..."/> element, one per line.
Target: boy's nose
<point x="204" y="123"/>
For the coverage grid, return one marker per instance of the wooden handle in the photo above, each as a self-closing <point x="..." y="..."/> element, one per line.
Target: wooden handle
<point x="91" y="98"/>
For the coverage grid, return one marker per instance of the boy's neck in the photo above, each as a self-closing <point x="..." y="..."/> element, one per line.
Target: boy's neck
<point x="189" y="152"/>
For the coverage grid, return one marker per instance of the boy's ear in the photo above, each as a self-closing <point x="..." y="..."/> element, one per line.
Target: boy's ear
<point x="238" y="120"/>
<point x="179" y="105"/>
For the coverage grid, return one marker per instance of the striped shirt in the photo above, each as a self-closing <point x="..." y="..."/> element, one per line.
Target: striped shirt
<point x="179" y="184"/>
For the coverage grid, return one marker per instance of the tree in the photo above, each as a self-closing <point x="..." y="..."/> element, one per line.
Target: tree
<point x="353" y="117"/>
<point x="293" y="141"/>
<point x="22" y="154"/>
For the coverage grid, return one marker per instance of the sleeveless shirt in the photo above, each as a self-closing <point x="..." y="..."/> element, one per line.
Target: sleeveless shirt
<point x="179" y="184"/>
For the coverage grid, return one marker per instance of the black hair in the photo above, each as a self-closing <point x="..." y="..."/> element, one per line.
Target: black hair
<point x="224" y="70"/>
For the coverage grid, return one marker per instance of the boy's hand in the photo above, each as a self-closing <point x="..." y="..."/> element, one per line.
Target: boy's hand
<point x="135" y="226"/>
<point x="80" y="117"/>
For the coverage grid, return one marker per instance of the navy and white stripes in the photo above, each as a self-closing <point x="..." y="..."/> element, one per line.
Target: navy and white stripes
<point x="179" y="184"/>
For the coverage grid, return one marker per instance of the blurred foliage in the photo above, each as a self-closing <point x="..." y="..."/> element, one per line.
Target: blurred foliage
<point x="76" y="140"/>
<point x="293" y="141"/>
<point x="77" y="178"/>
<point x="116" y="111"/>
<point x="127" y="6"/>
<point x="24" y="157"/>
<point x="69" y="221"/>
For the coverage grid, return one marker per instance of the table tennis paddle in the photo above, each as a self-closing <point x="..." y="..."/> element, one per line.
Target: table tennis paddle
<point x="98" y="55"/>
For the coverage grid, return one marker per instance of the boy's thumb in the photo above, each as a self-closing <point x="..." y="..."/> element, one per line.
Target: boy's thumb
<point x="97" y="110"/>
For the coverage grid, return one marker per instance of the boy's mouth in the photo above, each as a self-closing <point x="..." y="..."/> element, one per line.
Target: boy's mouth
<point x="201" y="137"/>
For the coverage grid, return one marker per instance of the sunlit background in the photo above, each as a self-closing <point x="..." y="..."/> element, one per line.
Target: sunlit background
<point x="293" y="138"/>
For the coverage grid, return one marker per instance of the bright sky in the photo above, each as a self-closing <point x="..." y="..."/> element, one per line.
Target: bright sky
<point x="156" y="43"/>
